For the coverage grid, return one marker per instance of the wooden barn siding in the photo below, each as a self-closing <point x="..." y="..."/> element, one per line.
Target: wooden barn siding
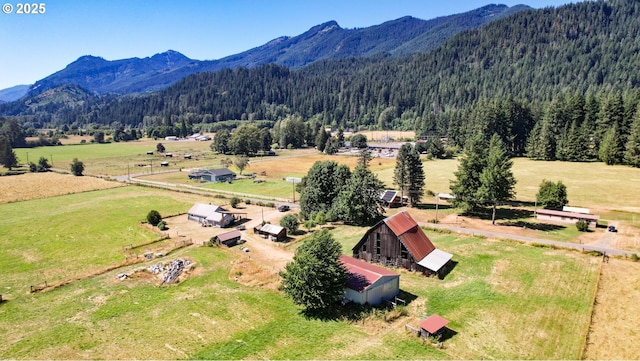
<point x="390" y="247"/>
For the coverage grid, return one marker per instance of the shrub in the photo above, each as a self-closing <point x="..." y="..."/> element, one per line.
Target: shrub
<point x="234" y="202"/>
<point x="153" y="217"/>
<point x="634" y="257"/>
<point x="77" y="167"/>
<point x="162" y="226"/>
<point x="247" y="201"/>
<point x="582" y="226"/>
<point x="290" y="222"/>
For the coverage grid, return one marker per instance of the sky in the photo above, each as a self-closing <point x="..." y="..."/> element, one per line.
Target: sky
<point x="39" y="44"/>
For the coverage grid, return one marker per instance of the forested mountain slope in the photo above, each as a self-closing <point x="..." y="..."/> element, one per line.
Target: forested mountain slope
<point x="398" y="37"/>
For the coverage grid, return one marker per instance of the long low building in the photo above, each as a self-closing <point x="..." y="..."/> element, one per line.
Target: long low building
<point x="566" y="217"/>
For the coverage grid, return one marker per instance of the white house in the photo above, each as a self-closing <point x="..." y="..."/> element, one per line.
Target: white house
<point x="210" y="215"/>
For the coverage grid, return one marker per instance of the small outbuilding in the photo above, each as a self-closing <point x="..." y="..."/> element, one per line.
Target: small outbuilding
<point x="228" y="239"/>
<point x="368" y="283"/>
<point x="213" y="175"/>
<point x="433" y="326"/>
<point x="392" y="199"/>
<point x="271" y="232"/>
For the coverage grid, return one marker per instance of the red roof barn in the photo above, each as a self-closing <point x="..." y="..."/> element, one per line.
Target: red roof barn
<point x="399" y="241"/>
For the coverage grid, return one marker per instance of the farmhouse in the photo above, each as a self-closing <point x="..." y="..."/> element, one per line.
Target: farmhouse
<point x="213" y="175"/>
<point x="369" y="283"/>
<point x="228" y="239"/>
<point x="271" y="231"/>
<point x="566" y="217"/>
<point x="398" y="241"/>
<point x="210" y="215"/>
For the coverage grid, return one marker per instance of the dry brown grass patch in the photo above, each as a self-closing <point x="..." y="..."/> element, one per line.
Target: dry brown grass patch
<point x="43" y="185"/>
<point x="249" y="273"/>
<point x="615" y="316"/>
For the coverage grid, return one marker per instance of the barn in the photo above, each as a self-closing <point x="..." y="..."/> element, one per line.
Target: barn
<point x="271" y="231"/>
<point x="368" y="283"/>
<point x="209" y="215"/>
<point x="398" y="241"/>
<point x="213" y="175"/>
<point x="228" y="239"/>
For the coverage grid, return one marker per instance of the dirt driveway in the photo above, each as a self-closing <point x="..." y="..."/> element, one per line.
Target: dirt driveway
<point x="265" y="259"/>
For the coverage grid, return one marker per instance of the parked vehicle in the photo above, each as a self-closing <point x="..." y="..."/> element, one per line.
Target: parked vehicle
<point x="283" y="208"/>
<point x="612" y="229"/>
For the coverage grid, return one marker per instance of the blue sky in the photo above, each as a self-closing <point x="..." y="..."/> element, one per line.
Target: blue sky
<point x="36" y="45"/>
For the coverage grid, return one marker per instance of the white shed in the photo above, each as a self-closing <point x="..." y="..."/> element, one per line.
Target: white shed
<point x="368" y="283"/>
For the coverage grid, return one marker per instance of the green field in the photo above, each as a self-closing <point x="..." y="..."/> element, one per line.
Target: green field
<point x="591" y="185"/>
<point x="504" y="300"/>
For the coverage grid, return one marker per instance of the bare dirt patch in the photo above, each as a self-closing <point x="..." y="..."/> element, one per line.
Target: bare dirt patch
<point x="615" y="316"/>
<point x="259" y="266"/>
<point x="43" y="185"/>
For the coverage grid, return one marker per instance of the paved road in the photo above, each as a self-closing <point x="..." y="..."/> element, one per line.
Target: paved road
<point x="600" y="246"/>
<point x="581" y="247"/>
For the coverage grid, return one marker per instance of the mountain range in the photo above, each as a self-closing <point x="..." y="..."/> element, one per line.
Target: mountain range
<point x="328" y="41"/>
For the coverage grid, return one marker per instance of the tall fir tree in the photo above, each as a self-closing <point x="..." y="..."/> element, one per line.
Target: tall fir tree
<point x="467" y="182"/>
<point x="496" y="180"/>
<point x="632" y="151"/>
<point x="409" y="173"/>
<point x="611" y="148"/>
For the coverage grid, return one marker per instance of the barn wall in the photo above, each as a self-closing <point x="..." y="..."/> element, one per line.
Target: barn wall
<point x="354" y="296"/>
<point x="390" y="253"/>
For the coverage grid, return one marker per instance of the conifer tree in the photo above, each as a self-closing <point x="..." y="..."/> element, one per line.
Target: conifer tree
<point x="611" y="147"/>
<point x="7" y="155"/>
<point x="632" y="152"/>
<point x="409" y="173"/>
<point x="496" y="180"/>
<point x="467" y="182"/>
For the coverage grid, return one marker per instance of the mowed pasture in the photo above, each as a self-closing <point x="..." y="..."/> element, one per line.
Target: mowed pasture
<point x="504" y="300"/>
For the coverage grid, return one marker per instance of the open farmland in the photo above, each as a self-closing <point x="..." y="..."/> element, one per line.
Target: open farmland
<point x="42" y="185"/>
<point x="515" y="292"/>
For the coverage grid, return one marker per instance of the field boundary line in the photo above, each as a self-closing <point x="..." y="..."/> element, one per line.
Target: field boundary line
<point x="594" y="301"/>
<point x="203" y="191"/>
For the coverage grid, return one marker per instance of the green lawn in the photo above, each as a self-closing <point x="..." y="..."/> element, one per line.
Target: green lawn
<point x="504" y="300"/>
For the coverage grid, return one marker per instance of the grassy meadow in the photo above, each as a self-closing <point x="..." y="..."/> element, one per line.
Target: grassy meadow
<point x="504" y="300"/>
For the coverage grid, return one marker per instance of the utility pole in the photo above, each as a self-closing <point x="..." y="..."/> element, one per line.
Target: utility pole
<point x="437" y="194"/>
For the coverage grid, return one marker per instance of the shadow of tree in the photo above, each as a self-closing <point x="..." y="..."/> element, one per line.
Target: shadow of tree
<point x="352" y="311"/>
<point x="533" y="226"/>
<point x="501" y="213"/>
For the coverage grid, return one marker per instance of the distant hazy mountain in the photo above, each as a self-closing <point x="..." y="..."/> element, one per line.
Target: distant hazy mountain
<point x="399" y="37"/>
<point x="13" y="93"/>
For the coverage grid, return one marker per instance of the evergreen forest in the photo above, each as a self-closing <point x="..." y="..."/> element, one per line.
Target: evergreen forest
<point x="554" y="84"/>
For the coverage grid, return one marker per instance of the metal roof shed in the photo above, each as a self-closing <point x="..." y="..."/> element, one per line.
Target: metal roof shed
<point x="433" y="325"/>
